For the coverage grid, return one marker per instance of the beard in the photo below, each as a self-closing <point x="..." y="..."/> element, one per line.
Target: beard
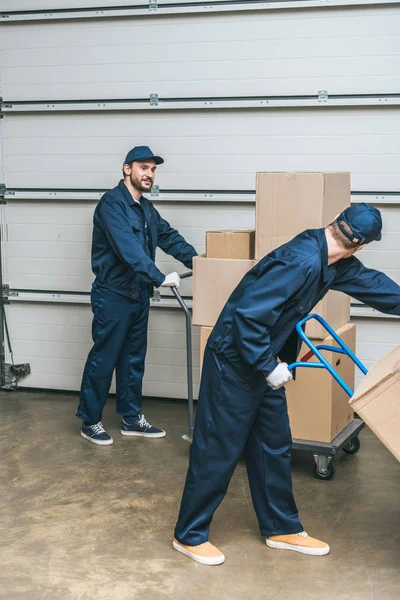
<point x="139" y="184"/>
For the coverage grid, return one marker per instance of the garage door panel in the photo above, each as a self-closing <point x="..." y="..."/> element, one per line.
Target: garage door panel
<point x="170" y="127"/>
<point x="55" y="340"/>
<point x="52" y="259"/>
<point x="267" y="133"/>
<point x="356" y="22"/>
<point x="119" y="57"/>
<point x="91" y="60"/>
<point x="265" y="160"/>
<point x="59" y="232"/>
<point x="25" y="148"/>
<point x="165" y="74"/>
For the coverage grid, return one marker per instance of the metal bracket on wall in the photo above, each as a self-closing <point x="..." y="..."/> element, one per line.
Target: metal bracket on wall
<point x="5" y="294"/>
<point x="2" y="193"/>
<point x="168" y="7"/>
<point x="322" y="96"/>
<point x="14" y="373"/>
<point x="153" y="99"/>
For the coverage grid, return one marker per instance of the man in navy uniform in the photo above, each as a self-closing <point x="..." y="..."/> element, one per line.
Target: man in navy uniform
<point x="126" y="232"/>
<point x="242" y="404"/>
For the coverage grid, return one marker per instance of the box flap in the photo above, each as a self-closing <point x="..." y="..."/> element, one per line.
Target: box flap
<point x="382" y="371"/>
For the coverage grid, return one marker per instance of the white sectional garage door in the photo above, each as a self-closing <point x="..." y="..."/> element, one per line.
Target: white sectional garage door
<point x="233" y="92"/>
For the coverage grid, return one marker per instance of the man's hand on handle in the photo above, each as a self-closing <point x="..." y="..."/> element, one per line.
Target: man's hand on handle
<point x="171" y="280"/>
<point x="279" y="376"/>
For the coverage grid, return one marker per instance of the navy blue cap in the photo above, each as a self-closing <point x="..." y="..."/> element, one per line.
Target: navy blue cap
<point x="364" y="222"/>
<point x="142" y="153"/>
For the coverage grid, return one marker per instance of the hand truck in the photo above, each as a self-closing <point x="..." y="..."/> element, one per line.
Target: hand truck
<point x="347" y="440"/>
<point x="189" y="363"/>
<point x="323" y="452"/>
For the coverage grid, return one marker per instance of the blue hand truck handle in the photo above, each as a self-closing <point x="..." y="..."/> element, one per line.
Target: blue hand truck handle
<point x="323" y="363"/>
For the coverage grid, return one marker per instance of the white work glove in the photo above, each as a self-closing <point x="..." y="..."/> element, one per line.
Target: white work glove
<point x="279" y="376"/>
<point x="171" y="280"/>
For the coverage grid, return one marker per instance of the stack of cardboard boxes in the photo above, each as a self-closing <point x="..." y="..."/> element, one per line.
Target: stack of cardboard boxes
<point x="286" y="204"/>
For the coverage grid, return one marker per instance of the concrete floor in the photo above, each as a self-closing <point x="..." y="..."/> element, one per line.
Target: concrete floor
<point x="81" y="522"/>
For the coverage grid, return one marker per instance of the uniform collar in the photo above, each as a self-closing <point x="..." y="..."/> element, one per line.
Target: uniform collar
<point x="126" y="193"/>
<point x="323" y="247"/>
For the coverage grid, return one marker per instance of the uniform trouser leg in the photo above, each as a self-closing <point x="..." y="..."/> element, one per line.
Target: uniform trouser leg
<point x="224" y="417"/>
<point x="131" y="363"/>
<point x="113" y="318"/>
<point x="268" y="462"/>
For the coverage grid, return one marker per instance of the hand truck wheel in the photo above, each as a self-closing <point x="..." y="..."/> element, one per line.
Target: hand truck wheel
<point x="353" y="446"/>
<point x="324" y="467"/>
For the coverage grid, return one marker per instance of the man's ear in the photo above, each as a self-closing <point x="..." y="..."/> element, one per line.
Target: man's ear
<point x="127" y="169"/>
<point x="361" y="247"/>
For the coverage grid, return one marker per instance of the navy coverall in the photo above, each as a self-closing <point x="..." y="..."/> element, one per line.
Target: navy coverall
<point x="237" y="411"/>
<point x="125" y="236"/>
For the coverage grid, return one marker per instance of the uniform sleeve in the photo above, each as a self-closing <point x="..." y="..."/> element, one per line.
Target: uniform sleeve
<point x="367" y="285"/>
<point x="259" y="310"/>
<point x="125" y="244"/>
<point x="173" y="243"/>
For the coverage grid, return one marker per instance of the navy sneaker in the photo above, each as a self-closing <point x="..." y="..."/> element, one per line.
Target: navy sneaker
<point x="141" y="427"/>
<point x="96" y="434"/>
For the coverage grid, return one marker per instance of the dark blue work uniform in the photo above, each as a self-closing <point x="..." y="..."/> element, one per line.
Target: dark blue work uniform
<point x="125" y="237"/>
<point x="237" y="411"/>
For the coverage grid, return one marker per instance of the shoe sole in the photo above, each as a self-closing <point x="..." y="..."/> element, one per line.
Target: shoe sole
<point x="140" y="434"/>
<point x="97" y="442"/>
<point x="301" y="549"/>
<point x="211" y="562"/>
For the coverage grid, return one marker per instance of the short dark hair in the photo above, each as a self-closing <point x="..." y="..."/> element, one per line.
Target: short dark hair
<point x="339" y="236"/>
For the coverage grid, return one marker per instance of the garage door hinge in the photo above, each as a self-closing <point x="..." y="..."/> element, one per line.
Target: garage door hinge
<point x="153" y="4"/>
<point x="153" y="99"/>
<point x="6" y="294"/>
<point x="14" y="373"/>
<point x="322" y="96"/>
<point x="2" y="192"/>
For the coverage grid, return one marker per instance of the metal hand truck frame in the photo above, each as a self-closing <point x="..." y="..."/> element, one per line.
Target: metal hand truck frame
<point x="323" y="452"/>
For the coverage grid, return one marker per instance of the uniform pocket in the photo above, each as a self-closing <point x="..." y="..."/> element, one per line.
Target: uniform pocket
<point x="236" y="390"/>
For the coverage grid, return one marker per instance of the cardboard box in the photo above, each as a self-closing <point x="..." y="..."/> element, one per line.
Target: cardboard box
<point x="334" y="308"/>
<point x="318" y="407"/>
<point x="230" y="244"/>
<point x="214" y="279"/>
<point x="204" y="335"/>
<point x="377" y="401"/>
<point x="289" y="203"/>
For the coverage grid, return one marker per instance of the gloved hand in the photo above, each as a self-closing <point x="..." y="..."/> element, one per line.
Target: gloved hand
<point x="171" y="280"/>
<point x="279" y="376"/>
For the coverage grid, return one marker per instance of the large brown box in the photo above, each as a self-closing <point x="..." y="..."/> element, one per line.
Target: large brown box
<point x="318" y="406"/>
<point x="204" y="335"/>
<point x="230" y="244"/>
<point x="289" y="203"/>
<point x="334" y="308"/>
<point x="214" y="279"/>
<point x="377" y="401"/>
